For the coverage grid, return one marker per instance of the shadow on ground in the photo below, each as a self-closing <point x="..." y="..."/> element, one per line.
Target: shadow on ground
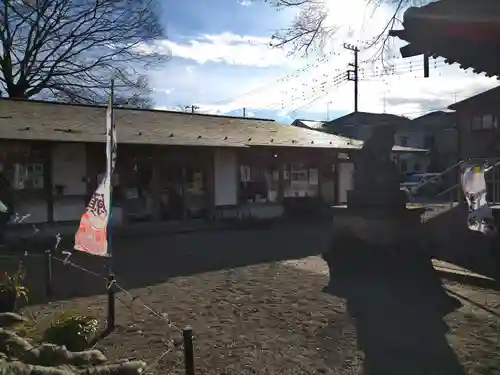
<point x="147" y="261"/>
<point x="399" y="316"/>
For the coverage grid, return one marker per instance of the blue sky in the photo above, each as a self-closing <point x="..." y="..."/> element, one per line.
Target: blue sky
<point x="221" y="62"/>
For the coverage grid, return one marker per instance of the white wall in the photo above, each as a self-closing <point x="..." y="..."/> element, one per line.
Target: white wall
<point x="226" y="177"/>
<point x="69" y="170"/>
<point x="345" y="180"/>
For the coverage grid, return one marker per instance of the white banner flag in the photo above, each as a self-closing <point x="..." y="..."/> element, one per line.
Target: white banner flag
<point x="480" y="217"/>
<point x="91" y="236"/>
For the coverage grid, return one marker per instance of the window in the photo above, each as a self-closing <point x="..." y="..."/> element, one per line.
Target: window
<point x="489" y="122"/>
<point x="258" y="183"/>
<point x="404" y="141"/>
<point x="28" y="176"/>
<point x="22" y="164"/>
<point x="484" y="122"/>
<point x="303" y="181"/>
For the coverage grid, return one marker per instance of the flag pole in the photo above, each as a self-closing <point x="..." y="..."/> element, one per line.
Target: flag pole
<point x="110" y="152"/>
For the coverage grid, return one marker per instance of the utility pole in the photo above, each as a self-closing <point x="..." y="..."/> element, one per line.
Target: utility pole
<point x="193" y="108"/>
<point x="352" y="74"/>
<point x="426" y="65"/>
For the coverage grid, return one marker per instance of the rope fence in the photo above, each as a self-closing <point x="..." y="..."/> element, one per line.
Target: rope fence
<point x="112" y="287"/>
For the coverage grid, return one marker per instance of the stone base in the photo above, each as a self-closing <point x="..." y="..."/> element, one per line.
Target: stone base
<point x="378" y="226"/>
<point x="376" y="198"/>
<point x="371" y="240"/>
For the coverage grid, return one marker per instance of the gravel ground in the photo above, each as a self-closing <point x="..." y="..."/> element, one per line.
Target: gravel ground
<point x="274" y="318"/>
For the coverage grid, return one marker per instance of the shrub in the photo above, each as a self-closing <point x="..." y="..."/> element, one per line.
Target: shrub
<point x="75" y="332"/>
<point x="12" y="289"/>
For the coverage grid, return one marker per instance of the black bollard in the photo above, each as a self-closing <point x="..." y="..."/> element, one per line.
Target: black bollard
<point x="187" y="334"/>
<point x="111" y="303"/>
<point x="48" y="273"/>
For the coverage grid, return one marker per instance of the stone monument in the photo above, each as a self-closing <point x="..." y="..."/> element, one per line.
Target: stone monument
<point x="379" y="265"/>
<point x="376" y="177"/>
<point x="376" y="228"/>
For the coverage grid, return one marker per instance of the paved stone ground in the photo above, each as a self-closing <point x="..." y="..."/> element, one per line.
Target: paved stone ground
<point x="255" y="299"/>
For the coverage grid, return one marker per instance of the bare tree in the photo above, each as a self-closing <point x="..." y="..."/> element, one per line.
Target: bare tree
<point x="309" y="30"/>
<point x="136" y="96"/>
<point x="70" y="50"/>
<point x="134" y="101"/>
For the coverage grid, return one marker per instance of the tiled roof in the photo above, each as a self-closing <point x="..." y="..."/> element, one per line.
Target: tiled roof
<point x="462" y="31"/>
<point x="34" y="120"/>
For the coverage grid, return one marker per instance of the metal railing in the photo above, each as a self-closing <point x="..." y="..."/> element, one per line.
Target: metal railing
<point x="452" y="195"/>
<point x="437" y="177"/>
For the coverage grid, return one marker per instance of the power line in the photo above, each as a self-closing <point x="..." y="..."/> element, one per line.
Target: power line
<point x="319" y="91"/>
<point x="285" y="78"/>
<point x="324" y="94"/>
<point x="395" y="69"/>
<point x="295" y="74"/>
<point x="307" y="90"/>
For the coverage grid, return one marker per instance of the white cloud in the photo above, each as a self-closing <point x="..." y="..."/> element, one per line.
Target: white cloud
<point x="165" y="91"/>
<point x="313" y="87"/>
<point x="226" y="48"/>
<point x="245" y="3"/>
<point x="406" y="92"/>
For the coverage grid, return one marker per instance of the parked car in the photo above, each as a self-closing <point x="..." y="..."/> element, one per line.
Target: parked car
<point x="417" y="185"/>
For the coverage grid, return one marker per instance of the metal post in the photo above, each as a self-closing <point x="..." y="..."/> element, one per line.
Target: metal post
<point x="355" y="71"/>
<point x="356" y="79"/>
<point x="111" y="153"/>
<point x="426" y="65"/>
<point x="111" y="303"/>
<point x="187" y="334"/>
<point x="48" y="273"/>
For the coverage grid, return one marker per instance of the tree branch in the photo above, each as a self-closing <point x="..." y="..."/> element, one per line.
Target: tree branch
<point x="308" y="31"/>
<point x="57" y="48"/>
